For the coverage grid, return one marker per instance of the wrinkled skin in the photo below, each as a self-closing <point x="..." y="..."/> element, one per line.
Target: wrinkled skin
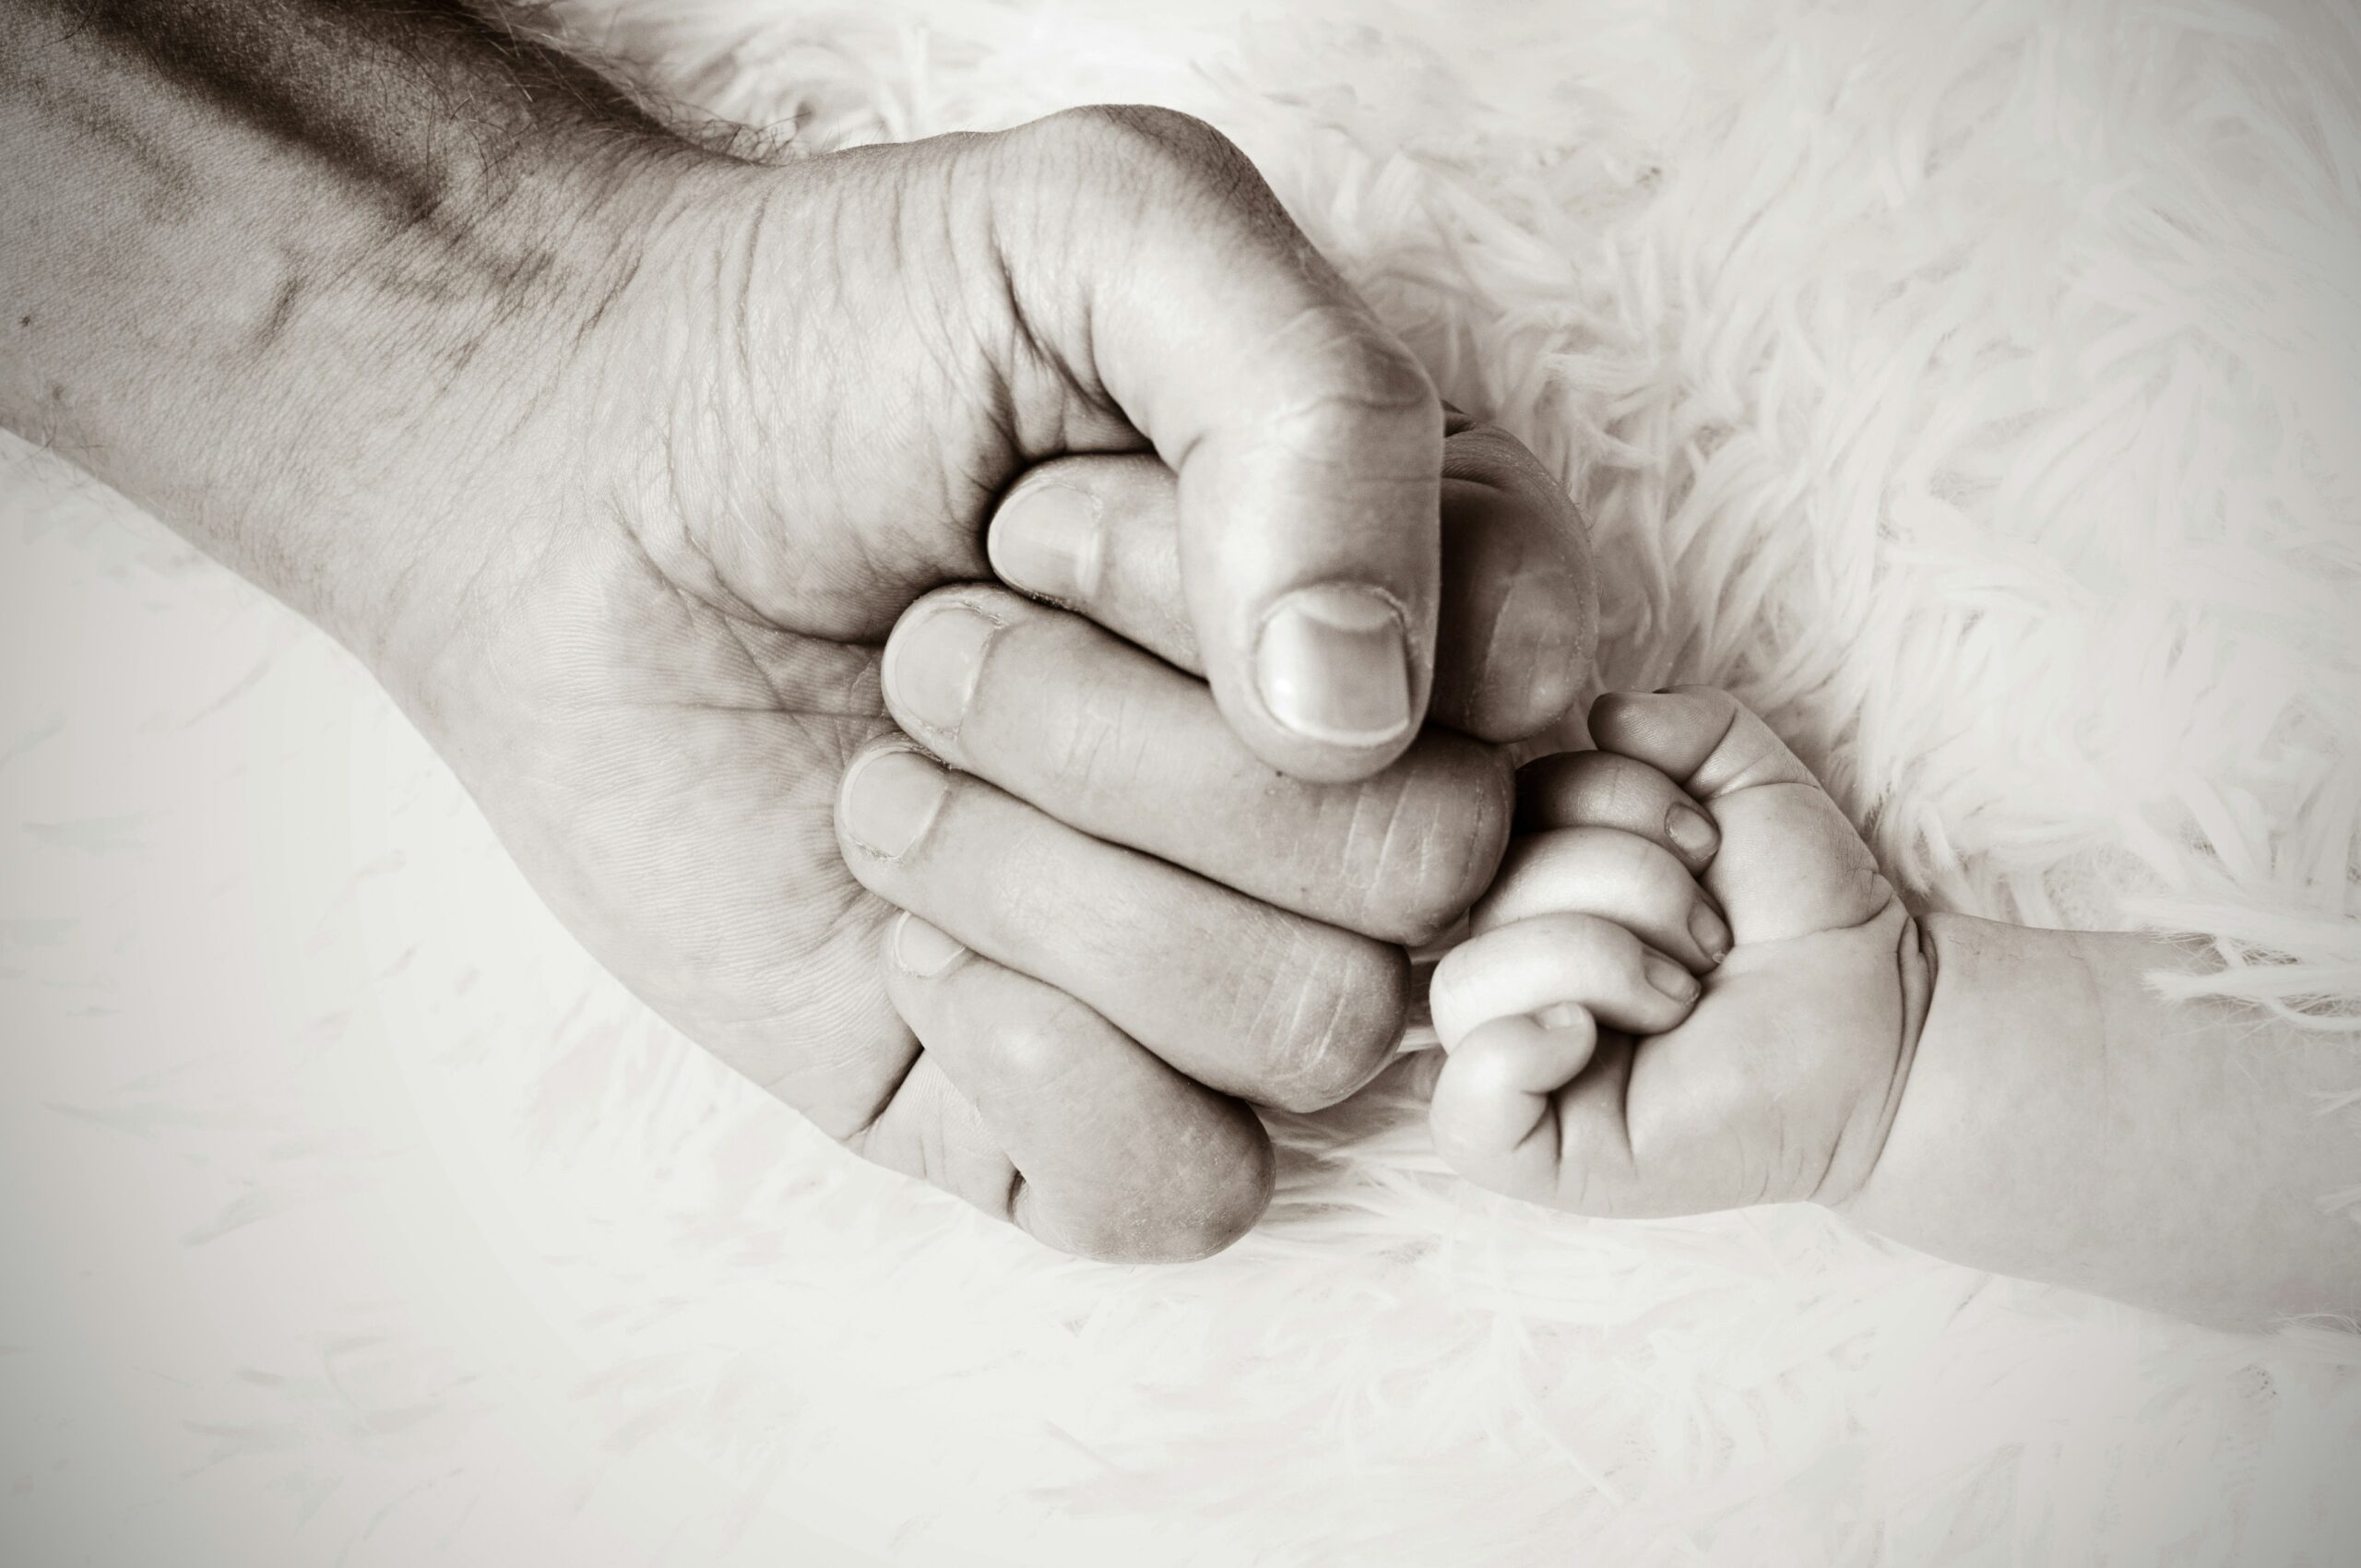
<point x="787" y="410"/>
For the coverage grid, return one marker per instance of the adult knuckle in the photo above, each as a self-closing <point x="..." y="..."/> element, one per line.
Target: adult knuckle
<point x="1131" y="134"/>
<point x="1096" y="748"/>
<point x="1033" y="1053"/>
<point x="1207" y="1205"/>
<point x="1153" y="128"/>
<point x="1339" y="1019"/>
<point x="1626" y="860"/>
<point x="1352" y="370"/>
<point x="1201" y="1235"/>
<point x="1168" y="1231"/>
<point x="1446" y="814"/>
<point x="1176" y="1200"/>
<point x="1485" y="453"/>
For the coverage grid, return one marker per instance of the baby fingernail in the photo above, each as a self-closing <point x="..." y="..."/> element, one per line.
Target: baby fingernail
<point x="931" y="663"/>
<point x="1559" y="1015"/>
<point x="1691" y="829"/>
<point x="1670" y="978"/>
<point x="888" y="799"/>
<point x="921" y="948"/>
<point x="1335" y="665"/>
<point x="1710" y="933"/>
<point x="1046" y="540"/>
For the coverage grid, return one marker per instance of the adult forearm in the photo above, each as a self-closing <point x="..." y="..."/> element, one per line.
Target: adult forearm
<point x="257" y="257"/>
<point x="2063" y="1123"/>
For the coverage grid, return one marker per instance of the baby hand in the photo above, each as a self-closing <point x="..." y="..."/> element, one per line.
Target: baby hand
<point x="1626" y="1041"/>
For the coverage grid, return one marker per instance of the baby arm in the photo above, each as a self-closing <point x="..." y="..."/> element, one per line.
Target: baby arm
<point x="2065" y="1123"/>
<point x="1691" y="989"/>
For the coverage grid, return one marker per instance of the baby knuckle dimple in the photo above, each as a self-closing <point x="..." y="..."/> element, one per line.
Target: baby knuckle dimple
<point x="1631" y="865"/>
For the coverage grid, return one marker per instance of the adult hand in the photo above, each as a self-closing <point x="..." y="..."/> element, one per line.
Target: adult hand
<point x="616" y="457"/>
<point x="1118" y="912"/>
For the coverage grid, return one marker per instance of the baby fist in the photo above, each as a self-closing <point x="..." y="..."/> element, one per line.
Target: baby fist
<point x="1691" y="989"/>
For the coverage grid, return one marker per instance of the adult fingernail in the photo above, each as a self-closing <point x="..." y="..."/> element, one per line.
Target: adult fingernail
<point x="1333" y="665"/>
<point x="1691" y="829"/>
<point x="922" y="949"/>
<point x="889" y="798"/>
<point x="1046" y="540"/>
<point x="931" y="663"/>
<point x="1670" y="978"/>
<point x="1712" y="933"/>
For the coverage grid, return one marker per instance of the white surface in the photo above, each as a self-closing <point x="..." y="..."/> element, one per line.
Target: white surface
<point x="1978" y="397"/>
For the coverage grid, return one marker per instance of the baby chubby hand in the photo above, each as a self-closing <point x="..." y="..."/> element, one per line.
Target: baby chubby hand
<point x="1689" y="988"/>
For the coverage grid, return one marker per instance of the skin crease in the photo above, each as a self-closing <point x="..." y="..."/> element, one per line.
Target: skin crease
<point x="2012" y="1099"/>
<point x="616" y="457"/>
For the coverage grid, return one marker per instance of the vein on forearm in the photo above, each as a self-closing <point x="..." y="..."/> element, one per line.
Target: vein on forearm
<point x="277" y="269"/>
<point x="411" y="100"/>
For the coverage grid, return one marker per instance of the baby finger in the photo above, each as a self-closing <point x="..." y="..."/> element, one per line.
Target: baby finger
<point x="1613" y="875"/>
<point x="1606" y="789"/>
<point x="1493" y="1115"/>
<point x="1531" y="964"/>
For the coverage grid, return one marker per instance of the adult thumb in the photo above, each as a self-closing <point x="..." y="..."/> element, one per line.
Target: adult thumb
<point x="1306" y="439"/>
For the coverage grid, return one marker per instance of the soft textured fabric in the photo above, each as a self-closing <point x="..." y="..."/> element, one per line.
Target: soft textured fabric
<point x="1975" y="388"/>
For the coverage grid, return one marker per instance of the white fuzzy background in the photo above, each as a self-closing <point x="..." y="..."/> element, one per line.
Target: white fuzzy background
<point x="1977" y="388"/>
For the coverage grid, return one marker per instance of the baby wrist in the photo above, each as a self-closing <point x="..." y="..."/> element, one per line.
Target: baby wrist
<point x="1917" y="972"/>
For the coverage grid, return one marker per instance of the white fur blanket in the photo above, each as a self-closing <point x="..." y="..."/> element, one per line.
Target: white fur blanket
<point x="1977" y="389"/>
